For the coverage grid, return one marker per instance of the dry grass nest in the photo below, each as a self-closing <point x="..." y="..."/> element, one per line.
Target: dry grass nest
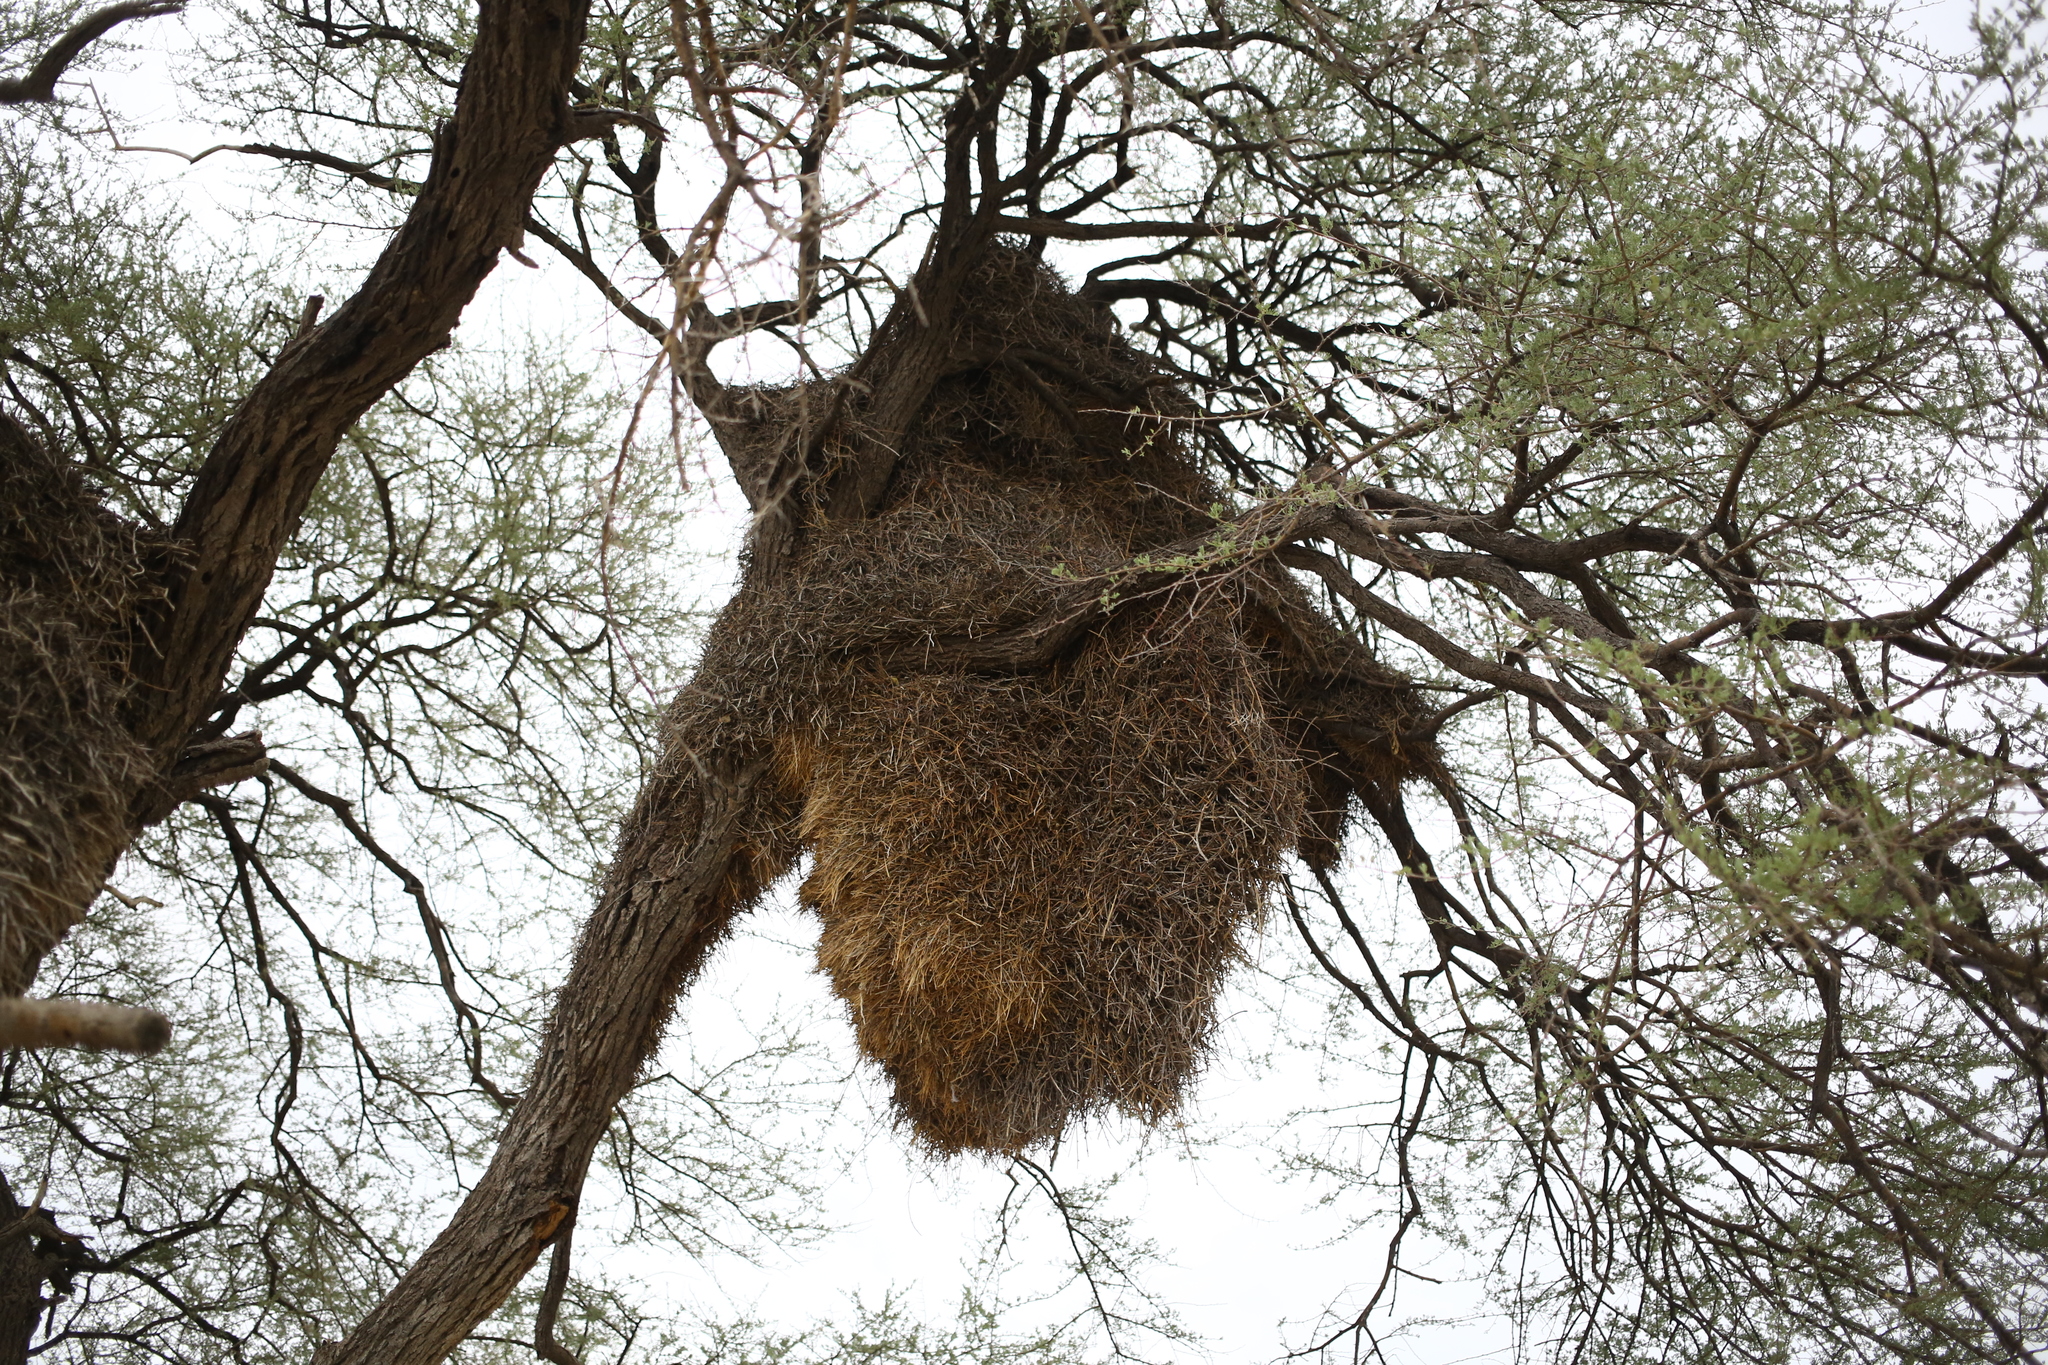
<point x="1032" y="886"/>
<point x="72" y="582"/>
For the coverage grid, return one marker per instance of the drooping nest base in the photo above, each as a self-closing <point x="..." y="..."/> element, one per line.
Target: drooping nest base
<point x="1031" y="888"/>
<point x="1032" y="885"/>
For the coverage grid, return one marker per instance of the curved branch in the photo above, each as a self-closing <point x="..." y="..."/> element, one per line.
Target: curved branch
<point x="39" y="86"/>
<point x="510" y="117"/>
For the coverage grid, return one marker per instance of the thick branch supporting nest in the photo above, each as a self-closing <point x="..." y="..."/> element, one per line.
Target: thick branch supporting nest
<point x="703" y="841"/>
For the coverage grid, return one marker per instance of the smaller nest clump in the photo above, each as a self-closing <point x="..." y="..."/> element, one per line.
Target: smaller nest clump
<point x="1033" y="883"/>
<point x="72" y="583"/>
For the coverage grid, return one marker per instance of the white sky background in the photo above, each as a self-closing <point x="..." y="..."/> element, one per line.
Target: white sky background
<point x="1245" y="1250"/>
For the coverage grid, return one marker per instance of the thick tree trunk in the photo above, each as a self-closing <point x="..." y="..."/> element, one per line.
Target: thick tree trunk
<point x="23" y="1273"/>
<point x="698" y="847"/>
<point x="21" y="1299"/>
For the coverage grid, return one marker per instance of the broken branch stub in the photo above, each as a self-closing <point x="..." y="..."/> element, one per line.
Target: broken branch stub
<point x="81" y="1023"/>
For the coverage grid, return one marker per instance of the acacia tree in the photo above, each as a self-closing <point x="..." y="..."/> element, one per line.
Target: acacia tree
<point x="1657" y="388"/>
<point x="1570" y="378"/>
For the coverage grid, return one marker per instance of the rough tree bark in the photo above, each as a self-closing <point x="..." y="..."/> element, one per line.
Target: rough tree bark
<point x="21" y="1273"/>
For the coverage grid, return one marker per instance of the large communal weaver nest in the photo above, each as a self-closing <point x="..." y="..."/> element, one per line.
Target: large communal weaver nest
<point x="1032" y="886"/>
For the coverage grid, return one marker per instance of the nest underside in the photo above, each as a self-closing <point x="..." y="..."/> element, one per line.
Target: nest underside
<point x="1032" y="886"/>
